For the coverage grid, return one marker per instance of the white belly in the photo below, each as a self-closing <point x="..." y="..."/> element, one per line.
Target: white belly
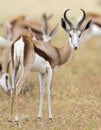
<point x="40" y="64"/>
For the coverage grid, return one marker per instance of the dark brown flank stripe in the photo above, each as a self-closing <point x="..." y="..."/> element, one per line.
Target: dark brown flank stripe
<point x="99" y="25"/>
<point x="37" y="33"/>
<point x="42" y="54"/>
<point x="12" y="54"/>
<point x="33" y="29"/>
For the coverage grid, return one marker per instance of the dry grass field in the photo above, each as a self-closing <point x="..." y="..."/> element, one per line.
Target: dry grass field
<point x="76" y="90"/>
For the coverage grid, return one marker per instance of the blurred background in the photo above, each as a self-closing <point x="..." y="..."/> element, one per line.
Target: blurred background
<point x="76" y="91"/>
<point x="10" y="9"/>
<point x="35" y="8"/>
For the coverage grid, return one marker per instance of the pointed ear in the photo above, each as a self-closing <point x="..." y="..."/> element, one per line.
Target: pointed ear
<point x="54" y="31"/>
<point x="0" y="68"/>
<point x="87" y="25"/>
<point x="63" y="24"/>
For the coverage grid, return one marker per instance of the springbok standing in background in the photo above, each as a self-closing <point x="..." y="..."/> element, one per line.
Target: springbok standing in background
<point x="47" y="34"/>
<point x="23" y="24"/>
<point x="96" y="24"/>
<point x="38" y="56"/>
<point x="95" y="29"/>
<point x="39" y="31"/>
<point x="18" y="25"/>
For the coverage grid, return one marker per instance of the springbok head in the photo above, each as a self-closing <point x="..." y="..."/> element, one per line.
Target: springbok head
<point x="48" y="35"/>
<point x="74" y="33"/>
<point x="4" y="80"/>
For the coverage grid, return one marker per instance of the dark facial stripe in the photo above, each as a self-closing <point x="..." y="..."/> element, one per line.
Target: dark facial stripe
<point x="42" y="54"/>
<point x="7" y="82"/>
<point x="33" y="29"/>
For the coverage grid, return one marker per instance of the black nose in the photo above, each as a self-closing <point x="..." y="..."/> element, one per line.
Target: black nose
<point x="75" y="48"/>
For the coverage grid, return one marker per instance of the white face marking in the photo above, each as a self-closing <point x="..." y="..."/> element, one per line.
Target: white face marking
<point x="95" y="30"/>
<point x="74" y="38"/>
<point x="40" y="64"/>
<point x="19" y="49"/>
<point x="4" y="82"/>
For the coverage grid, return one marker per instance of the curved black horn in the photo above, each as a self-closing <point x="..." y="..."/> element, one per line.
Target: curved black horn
<point x="83" y="18"/>
<point x="67" y="20"/>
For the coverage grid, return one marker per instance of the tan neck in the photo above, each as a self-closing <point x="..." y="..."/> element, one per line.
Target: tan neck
<point x="64" y="53"/>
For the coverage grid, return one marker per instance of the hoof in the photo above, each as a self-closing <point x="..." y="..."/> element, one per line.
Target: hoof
<point x="51" y="119"/>
<point x="40" y="120"/>
<point x="17" y="123"/>
<point x="16" y="119"/>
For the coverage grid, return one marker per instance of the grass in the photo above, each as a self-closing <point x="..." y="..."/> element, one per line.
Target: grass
<point x="76" y="90"/>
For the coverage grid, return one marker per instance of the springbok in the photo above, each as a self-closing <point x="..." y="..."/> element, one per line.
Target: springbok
<point x="38" y="56"/>
<point x="21" y="24"/>
<point x="4" y="80"/>
<point x="17" y="26"/>
<point x="95" y="29"/>
<point x="96" y="24"/>
<point x="24" y="23"/>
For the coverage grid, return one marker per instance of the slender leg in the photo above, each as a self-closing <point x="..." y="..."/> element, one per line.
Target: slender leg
<point x="41" y="78"/>
<point x="13" y="89"/>
<point x="19" y="80"/>
<point x="18" y="89"/>
<point x="11" y="106"/>
<point x="49" y="81"/>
